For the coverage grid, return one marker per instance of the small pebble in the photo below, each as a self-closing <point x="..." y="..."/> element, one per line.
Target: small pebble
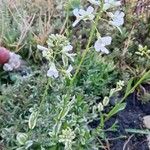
<point x="146" y="121"/>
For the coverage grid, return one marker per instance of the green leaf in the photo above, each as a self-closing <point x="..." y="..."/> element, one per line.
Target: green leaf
<point x="129" y="86"/>
<point x="138" y="131"/>
<point x="32" y="120"/>
<point x="101" y="120"/>
<point x="22" y="138"/>
<point x="28" y="144"/>
<point x="105" y="101"/>
<point x="147" y="77"/>
<point x="116" y="109"/>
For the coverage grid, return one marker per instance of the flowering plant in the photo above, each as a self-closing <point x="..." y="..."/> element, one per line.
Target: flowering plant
<point x="58" y="109"/>
<point x="58" y="47"/>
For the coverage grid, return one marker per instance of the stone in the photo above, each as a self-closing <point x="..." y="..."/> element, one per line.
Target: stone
<point x="146" y="121"/>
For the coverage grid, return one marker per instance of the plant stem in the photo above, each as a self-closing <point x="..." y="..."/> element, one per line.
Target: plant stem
<point x="44" y="94"/>
<point x="136" y="85"/>
<point x="130" y="91"/>
<point x="147" y="55"/>
<point x="98" y="17"/>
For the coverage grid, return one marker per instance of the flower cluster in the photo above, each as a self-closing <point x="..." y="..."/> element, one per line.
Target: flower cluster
<point x="105" y="102"/>
<point x="116" y="19"/>
<point x="13" y="63"/>
<point x="119" y="86"/>
<point x="67" y="138"/>
<point x="59" y="51"/>
<point x="143" y="51"/>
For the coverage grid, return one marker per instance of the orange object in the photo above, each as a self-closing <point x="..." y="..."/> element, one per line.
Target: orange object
<point x="4" y="55"/>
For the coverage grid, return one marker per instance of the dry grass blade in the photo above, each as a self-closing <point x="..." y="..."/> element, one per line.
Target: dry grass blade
<point x="139" y="7"/>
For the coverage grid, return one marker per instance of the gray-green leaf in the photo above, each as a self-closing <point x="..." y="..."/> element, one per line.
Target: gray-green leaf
<point x="32" y="120"/>
<point x="22" y="138"/>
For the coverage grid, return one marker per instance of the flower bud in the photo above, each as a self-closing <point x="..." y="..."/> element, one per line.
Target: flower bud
<point x="22" y="138"/>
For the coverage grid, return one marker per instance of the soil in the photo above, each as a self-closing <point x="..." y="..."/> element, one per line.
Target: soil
<point x="130" y="117"/>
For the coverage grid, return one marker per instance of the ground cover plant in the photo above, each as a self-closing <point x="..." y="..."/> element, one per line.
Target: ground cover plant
<point x="74" y="75"/>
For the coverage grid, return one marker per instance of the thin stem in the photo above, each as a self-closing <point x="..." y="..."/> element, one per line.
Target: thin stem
<point x="131" y="91"/>
<point x="98" y="17"/>
<point x="44" y="94"/>
<point x="135" y="86"/>
<point x="146" y="55"/>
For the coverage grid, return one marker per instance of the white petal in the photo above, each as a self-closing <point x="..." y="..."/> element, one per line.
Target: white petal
<point x="16" y="64"/>
<point x="98" y="45"/>
<point x="76" y="12"/>
<point x="106" y="40"/>
<point x="111" y="3"/>
<point x="71" y="56"/>
<point x="119" y="14"/>
<point x="95" y="2"/>
<point x="7" y="67"/>
<point x="104" y="50"/>
<point x="52" y="72"/>
<point x="14" y="61"/>
<point x="82" y="12"/>
<point x="75" y="22"/>
<point x="90" y="9"/>
<point x="68" y="48"/>
<point x="68" y="71"/>
<point x="117" y="18"/>
<point x="106" y="6"/>
<point x="56" y="75"/>
<point x="122" y="14"/>
<point x="42" y="48"/>
<point x="117" y="22"/>
<point x="49" y="73"/>
<point x="70" y="68"/>
<point x="118" y="3"/>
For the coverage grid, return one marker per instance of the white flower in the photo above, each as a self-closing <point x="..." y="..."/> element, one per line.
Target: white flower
<point x="110" y="4"/>
<point x="117" y="18"/>
<point x="107" y="3"/>
<point x="67" y="48"/>
<point x="13" y="63"/>
<point x="68" y="71"/>
<point x="52" y="72"/>
<point x="83" y="15"/>
<point x="95" y="2"/>
<point x="101" y="43"/>
<point x="46" y="53"/>
<point x="66" y="51"/>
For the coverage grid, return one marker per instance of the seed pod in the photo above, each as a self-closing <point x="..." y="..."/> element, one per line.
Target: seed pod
<point x="100" y="107"/>
<point x="105" y="101"/>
